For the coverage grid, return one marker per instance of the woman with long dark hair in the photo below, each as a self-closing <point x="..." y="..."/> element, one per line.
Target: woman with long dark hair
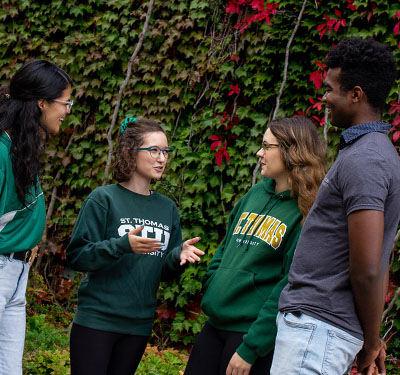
<point x="247" y="273"/>
<point x="34" y="108"/>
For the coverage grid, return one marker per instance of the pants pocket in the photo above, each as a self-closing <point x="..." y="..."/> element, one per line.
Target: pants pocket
<point x="340" y="352"/>
<point x="292" y="344"/>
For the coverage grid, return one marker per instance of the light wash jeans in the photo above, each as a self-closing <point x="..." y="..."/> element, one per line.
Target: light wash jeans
<point x="13" y="280"/>
<point x="307" y="346"/>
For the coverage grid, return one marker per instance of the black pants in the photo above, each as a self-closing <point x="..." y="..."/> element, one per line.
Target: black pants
<point x="214" y="349"/>
<point x="96" y="352"/>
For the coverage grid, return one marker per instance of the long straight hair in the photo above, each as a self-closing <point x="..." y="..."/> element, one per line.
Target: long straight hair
<point x="20" y="116"/>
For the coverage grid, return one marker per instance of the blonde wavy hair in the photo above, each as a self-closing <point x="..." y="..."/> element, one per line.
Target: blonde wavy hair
<point x="303" y="154"/>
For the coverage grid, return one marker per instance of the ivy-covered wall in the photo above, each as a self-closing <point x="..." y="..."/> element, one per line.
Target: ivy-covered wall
<point x="211" y="71"/>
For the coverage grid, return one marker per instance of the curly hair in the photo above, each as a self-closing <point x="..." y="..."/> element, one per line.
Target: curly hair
<point x="20" y="115"/>
<point x="303" y="154"/>
<point x="365" y="63"/>
<point x="127" y="143"/>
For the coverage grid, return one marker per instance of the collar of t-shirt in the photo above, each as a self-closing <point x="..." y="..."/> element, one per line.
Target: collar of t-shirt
<point x="350" y="135"/>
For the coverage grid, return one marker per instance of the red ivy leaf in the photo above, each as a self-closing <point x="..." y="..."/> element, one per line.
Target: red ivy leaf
<point x="218" y="157"/>
<point x="234" y="89"/>
<point x="223" y="118"/>
<point x="234" y="57"/>
<point x="233" y="7"/>
<point x="350" y="5"/>
<point x="316" y="78"/>
<point x="321" y="121"/>
<point x="396" y="28"/>
<point x="394" y="107"/>
<point x="396" y="121"/>
<point x="396" y="136"/>
<point x="338" y="13"/>
<point x="257" y="5"/>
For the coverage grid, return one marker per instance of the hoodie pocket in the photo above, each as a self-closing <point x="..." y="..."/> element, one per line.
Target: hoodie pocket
<point x="232" y="296"/>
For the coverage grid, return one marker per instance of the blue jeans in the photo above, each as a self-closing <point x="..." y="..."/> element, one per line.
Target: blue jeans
<point x="307" y="346"/>
<point x="13" y="280"/>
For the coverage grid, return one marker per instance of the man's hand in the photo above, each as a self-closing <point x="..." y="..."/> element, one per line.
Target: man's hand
<point x="372" y="362"/>
<point x="238" y="366"/>
<point x="142" y="245"/>
<point x="190" y="253"/>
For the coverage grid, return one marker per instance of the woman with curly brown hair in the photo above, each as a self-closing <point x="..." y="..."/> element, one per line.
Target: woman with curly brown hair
<point x="127" y="238"/>
<point x="247" y="273"/>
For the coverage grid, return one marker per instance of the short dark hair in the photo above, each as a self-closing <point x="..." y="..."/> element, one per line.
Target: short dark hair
<point x="128" y="142"/>
<point x="365" y="63"/>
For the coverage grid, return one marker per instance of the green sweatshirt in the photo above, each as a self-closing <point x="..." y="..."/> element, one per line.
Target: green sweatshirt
<point x="21" y="228"/>
<point x="249" y="270"/>
<point x="119" y="292"/>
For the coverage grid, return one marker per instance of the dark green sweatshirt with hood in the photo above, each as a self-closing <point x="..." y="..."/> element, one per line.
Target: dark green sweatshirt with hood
<point x="249" y="270"/>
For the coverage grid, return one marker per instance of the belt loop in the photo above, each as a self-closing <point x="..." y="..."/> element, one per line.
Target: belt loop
<point x="11" y="256"/>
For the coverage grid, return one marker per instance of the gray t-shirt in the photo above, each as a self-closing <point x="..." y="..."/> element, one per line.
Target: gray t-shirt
<point x="366" y="175"/>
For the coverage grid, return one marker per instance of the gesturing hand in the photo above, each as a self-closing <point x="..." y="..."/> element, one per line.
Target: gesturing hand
<point x="190" y="253"/>
<point x="142" y="245"/>
<point x="238" y="366"/>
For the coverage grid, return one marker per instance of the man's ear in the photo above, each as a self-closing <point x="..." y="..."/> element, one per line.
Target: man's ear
<point x="41" y="104"/>
<point x="357" y="94"/>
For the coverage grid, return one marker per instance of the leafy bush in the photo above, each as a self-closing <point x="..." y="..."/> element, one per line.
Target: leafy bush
<point x="167" y="362"/>
<point x="41" y="301"/>
<point x="47" y="362"/>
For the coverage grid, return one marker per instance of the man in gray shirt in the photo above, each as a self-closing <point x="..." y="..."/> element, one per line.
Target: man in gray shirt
<point x="331" y="309"/>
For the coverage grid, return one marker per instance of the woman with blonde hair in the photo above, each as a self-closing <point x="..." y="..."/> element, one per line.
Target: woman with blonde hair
<point x="247" y="273"/>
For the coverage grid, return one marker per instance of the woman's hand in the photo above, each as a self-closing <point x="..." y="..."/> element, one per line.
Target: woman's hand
<point x="238" y="366"/>
<point x="190" y="253"/>
<point x="142" y="245"/>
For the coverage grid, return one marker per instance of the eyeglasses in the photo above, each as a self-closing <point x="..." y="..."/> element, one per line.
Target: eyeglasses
<point x="68" y="103"/>
<point x="155" y="151"/>
<point x="266" y="146"/>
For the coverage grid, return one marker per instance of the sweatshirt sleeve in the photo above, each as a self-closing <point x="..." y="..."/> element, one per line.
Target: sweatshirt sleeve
<point x="2" y="188"/>
<point x="88" y="249"/>
<point x="217" y="258"/>
<point x="171" y="266"/>
<point x="260" y="338"/>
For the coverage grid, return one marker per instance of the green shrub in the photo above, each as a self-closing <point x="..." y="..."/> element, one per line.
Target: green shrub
<point x="167" y="362"/>
<point x="47" y="362"/>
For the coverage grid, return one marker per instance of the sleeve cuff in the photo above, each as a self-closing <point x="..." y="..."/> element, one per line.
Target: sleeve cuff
<point x="246" y="353"/>
<point x="176" y="254"/>
<point x="124" y="245"/>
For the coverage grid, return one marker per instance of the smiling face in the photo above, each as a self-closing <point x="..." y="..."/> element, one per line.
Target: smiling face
<point x="272" y="165"/>
<point x="339" y="102"/>
<point x="53" y="113"/>
<point x="147" y="166"/>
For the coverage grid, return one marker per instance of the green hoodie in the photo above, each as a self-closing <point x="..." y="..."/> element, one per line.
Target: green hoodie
<point x="249" y="270"/>
<point x="119" y="292"/>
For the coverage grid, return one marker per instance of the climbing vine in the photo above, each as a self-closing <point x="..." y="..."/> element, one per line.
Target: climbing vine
<point x="213" y="73"/>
